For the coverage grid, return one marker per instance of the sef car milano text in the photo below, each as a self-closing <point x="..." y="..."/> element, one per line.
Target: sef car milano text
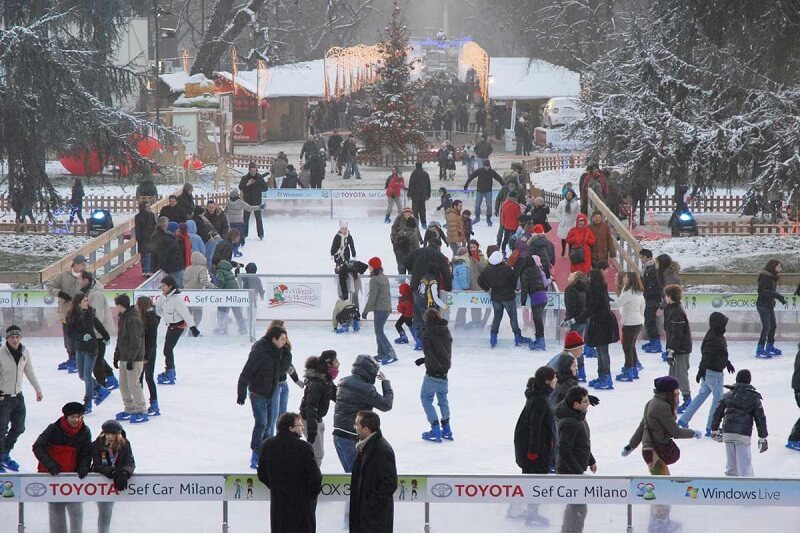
<point x="211" y="299"/>
<point x="497" y="490"/>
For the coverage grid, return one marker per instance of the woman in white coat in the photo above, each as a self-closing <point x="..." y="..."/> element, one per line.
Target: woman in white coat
<point x="630" y="302"/>
<point x="567" y="211"/>
<point x="176" y="316"/>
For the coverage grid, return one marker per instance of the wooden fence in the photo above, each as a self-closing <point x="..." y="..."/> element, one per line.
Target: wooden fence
<point x="628" y="246"/>
<point x="115" y="204"/>
<point x="553" y="162"/>
<point x="44" y="228"/>
<point x="747" y="228"/>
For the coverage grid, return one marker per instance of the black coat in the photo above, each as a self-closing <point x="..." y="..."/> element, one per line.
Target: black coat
<point x="83" y="323"/>
<point x="541" y="246"/>
<point x="261" y="371"/>
<point x="348" y="252"/>
<point x="357" y="392"/>
<point x="219" y="221"/>
<point x="318" y="393"/>
<point x="485" y="177"/>
<point x="575" y="302"/>
<point x="169" y="253"/>
<point x="714" y="349"/>
<point x="566" y="380"/>
<point x="676" y="326"/>
<point x="796" y="373"/>
<point x="186" y="203"/>
<point x="738" y="409"/>
<point x="603" y="327"/>
<point x="652" y="285"/>
<point x="291" y="181"/>
<point x="539" y="216"/>
<point x="124" y="460"/>
<point x="223" y="251"/>
<point x="533" y="433"/>
<point x="530" y="278"/>
<point x="437" y="345"/>
<point x="419" y="185"/>
<point x="766" y="291"/>
<point x="574" y="441"/>
<point x="150" y="320"/>
<point x="252" y="193"/>
<point x="429" y="260"/>
<point x="173" y="213"/>
<point x="288" y="468"/>
<point x="500" y="281"/>
<point x="316" y="167"/>
<point x="145" y="225"/>
<point x="52" y="439"/>
<point x="372" y="487"/>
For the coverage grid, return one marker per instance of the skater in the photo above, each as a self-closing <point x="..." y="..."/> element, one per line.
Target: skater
<point x="394" y="187"/>
<point x="576" y="314"/>
<point x="538" y="215"/>
<point x="574" y="450"/>
<point x="714" y="360"/>
<point x="445" y="200"/>
<point x="533" y="283"/>
<point x="534" y="434"/>
<point x="177" y="317"/>
<point x="765" y="305"/>
<point x="65" y="446"/>
<point x="129" y="353"/>
<point x="405" y="306"/>
<point x="455" y="227"/>
<point x="318" y="393"/>
<point x="112" y="457"/>
<point x="500" y="281"/>
<point x="793" y="442"/>
<point x="419" y="190"/>
<point x="430" y="274"/>
<point x="477" y="264"/>
<point x="226" y="280"/>
<point x="288" y="469"/>
<point x="603" y="328"/>
<point x="82" y="323"/>
<point x="64" y="286"/>
<point x="379" y="302"/>
<point x="334" y="146"/>
<point x="631" y="304"/>
<point x="343" y="249"/>
<point x="679" y="341"/>
<point x="196" y="277"/>
<point x="144" y="226"/>
<point x="509" y="219"/>
<point x="76" y="201"/>
<point x="252" y="185"/>
<point x="437" y="345"/>
<point x="150" y="320"/>
<point x="461" y="279"/>
<point x="102" y="371"/>
<point x="185" y="201"/>
<point x="737" y="411"/>
<point x="374" y="479"/>
<point x="280" y="399"/>
<point x="580" y="240"/>
<point x="405" y="239"/>
<point x="234" y="212"/>
<point x="15" y="362"/>
<point x="259" y="376"/>
<point x="567" y="212"/>
<point x="485" y="175"/>
<point x="653" y="301"/>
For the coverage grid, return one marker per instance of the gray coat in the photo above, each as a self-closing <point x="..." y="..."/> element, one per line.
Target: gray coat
<point x="380" y="298"/>
<point x="357" y="392"/>
<point x="130" y="339"/>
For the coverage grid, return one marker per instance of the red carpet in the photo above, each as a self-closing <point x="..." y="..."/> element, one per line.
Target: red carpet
<point x="130" y="279"/>
<point x="562" y="269"/>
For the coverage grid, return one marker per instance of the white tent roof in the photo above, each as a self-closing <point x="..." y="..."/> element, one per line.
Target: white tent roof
<point x="512" y="78"/>
<point x="306" y="78"/>
<point x="177" y="80"/>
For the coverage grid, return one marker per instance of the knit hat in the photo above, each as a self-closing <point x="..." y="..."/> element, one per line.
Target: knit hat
<point x="408" y="210"/>
<point x="233" y="195"/>
<point x="462" y="250"/>
<point x="184" y="227"/>
<point x="743" y="376"/>
<point x="163" y="221"/>
<point x="538" y="228"/>
<point x="342" y="224"/>
<point x="666" y="384"/>
<point x="111" y="426"/>
<point x="172" y="227"/>
<point x="375" y="263"/>
<point x="73" y="408"/>
<point x="13" y="330"/>
<point x="573" y="340"/>
<point x="496" y="258"/>
<point x="252" y="165"/>
<point x="78" y="260"/>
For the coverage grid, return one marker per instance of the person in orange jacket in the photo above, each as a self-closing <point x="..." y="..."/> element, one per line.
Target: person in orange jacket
<point x="581" y="236"/>
<point x="510" y="212"/>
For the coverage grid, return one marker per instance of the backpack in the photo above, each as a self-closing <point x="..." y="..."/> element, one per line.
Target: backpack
<point x="348" y="314"/>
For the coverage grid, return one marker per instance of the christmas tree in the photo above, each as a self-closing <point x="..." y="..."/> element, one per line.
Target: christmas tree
<point x="393" y="123"/>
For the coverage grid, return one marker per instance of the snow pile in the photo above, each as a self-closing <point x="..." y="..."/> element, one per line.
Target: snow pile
<point x="728" y="253"/>
<point x="41" y="245"/>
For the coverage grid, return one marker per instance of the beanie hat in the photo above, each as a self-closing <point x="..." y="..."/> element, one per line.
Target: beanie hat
<point x="743" y="376"/>
<point x="252" y="165"/>
<point x="666" y="384"/>
<point x="111" y="426"/>
<point x="172" y="227"/>
<point x="538" y="228"/>
<point x="408" y="210"/>
<point x="184" y="227"/>
<point x="342" y="224"/>
<point x="163" y="221"/>
<point x="73" y="408"/>
<point x="375" y="263"/>
<point x="13" y="330"/>
<point x="233" y="195"/>
<point x="573" y="340"/>
<point x="496" y="258"/>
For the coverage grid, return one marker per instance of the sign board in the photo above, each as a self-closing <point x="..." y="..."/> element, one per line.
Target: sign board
<point x="298" y="295"/>
<point x="753" y="492"/>
<point x="202" y="298"/>
<point x="538" y="489"/>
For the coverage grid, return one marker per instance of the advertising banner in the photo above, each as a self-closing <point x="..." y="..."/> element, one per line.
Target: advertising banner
<point x="296" y="194"/>
<point x="5" y="299"/>
<point x="246" y="487"/>
<point x="68" y="488"/>
<point x="200" y="298"/>
<point x="297" y="295"/>
<point x="716" y="492"/>
<point x="482" y="299"/>
<point x="727" y="302"/>
<point x="9" y="488"/>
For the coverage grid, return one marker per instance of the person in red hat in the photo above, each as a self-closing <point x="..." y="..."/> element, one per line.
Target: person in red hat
<point x="379" y="302"/>
<point x="566" y="363"/>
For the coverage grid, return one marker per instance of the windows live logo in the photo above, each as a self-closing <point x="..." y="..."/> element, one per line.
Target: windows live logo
<point x="691" y="492"/>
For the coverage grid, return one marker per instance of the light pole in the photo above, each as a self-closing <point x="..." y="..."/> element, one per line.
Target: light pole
<point x="168" y="32"/>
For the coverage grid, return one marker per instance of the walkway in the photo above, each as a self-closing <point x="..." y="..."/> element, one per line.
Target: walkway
<point x="562" y="269"/>
<point x="128" y="280"/>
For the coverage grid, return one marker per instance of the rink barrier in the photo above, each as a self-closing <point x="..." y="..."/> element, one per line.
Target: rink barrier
<point x="426" y="489"/>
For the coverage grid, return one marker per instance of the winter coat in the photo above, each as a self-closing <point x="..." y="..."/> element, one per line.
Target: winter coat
<point x="796" y="373"/>
<point x="603" y="327"/>
<point x="173" y="310"/>
<point x="76" y="198"/>
<point x="186" y="204"/>
<point x="219" y="221"/>
<point x="714" y="349"/>
<point x="534" y="441"/>
<point x="532" y="282"/>
<point x="357" y="392"/>
<point x="676" y="326"/>
<point x="203" y="228"/>
<point x="68" y="283"/>
<point x="318" y="393"/>
<point x="252" y="193"/>
<point x="372" y="487"/>
<point x="540" y="245"/>
<point x="455" y="226"/>
<point x="195" y="241"/>
<point x="130" y="339"/>
<point x="670" y="275"/>
<point x="196" y="275"/>
<point x="334" y="144"/>
<point x="12" y="370"/>
<point x="288" y="468"/>
<point x="653" y="290"/>
<point x="315" y="166"/>
<point x="174" y="213"/>
<point x="343" y="253"/>
<point x="169" y="254"/>
<point x="101" y="462"/>
<point x="509" y="216"/>
<point x="461" y="275"/>
<point x="539" y="216"/>
<point x="574" y="441"/>
<point x="662" y="425"/>
<point x="566" y="380"/>
<point x="82" y="323"/>
<point x="379" y="297"/>
<point x="225" y="276"/>
<point x="291" y="181"/>
<point x="309" y="148"/>
<point x="566" y="220"/>
<point x="394" y="186"/>
<point x="437" y="345"/>
<point x="475" y="269"/>
<point x="429" y="260"/>
<point x="767" y="293"/>
<point x="631" y="308"/>
<point x="466" y="222"/>
<point x="98" y="302"/>
<point x="511" y="184"/>
<point x="151" y="321"/>
<point x="222" y="252"/>
<point x="419" y="185"/>
<point x="738" y="409"/>
<point x="483" y="149"/>
<point x="604" y="244"/>
<point x="405" y="305"/>
<point x="485" y="177"/>
<point x="144" y="224"/>
<point x="58" y="452"/>
<point x="234" y="211"/>
<point x="405" y="238"/>
<point x="581" y="236"/>
<point x="261" y="371"/>
<point x="500" y="281"/>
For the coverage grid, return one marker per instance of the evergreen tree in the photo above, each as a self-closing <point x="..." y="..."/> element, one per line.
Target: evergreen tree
<point x="393" y="123"/>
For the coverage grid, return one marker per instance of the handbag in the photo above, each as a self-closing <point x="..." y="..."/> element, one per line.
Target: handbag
<point x="576" y="253"/>
<point x="668" y="452"/>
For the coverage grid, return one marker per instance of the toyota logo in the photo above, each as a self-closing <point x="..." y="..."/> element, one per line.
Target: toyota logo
<point x="441" y="490"/>
<point x="35" y="490"/>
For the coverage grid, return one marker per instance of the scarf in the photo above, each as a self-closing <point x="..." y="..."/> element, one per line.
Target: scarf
<point x="67" y="429"/>
<point x="476" y="256"/>
<point x="16" y="354"/>
<point x="339" y="255"/>
<point x="333" y="372"/>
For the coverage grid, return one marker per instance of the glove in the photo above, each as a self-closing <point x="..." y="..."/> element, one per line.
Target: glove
<point x="593" y="400"/>
<point x="54" y="470"/>
<point x="82" y="474"/>
<point x="782" y="300"/>
<point x="129" y="365"/>
<point x="716" y="436"/>
<point x="121" y="480"/>
<point x="87" y="337"/>
<point x="797" y="397"/>
<point x="626" y="451"/>
<point x="568" y="323"/>
<point x="700" y="375"/>
<point x="195" y="331"/>
<point x="762" y="445"/>
<point x="533" y="456"/>
<point x="670" y="357"/>
<point x="116" y="363"/>
<point x="420" y="361"/>
<point x="240" y="400"/>
<point x="730" y="367"/>
<point x="697" y="434"/>
<point x="64" y="296"/>
<point x="364" y="315"/>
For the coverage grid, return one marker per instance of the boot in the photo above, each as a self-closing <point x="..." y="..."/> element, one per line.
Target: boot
<point x="537" y="344"/>
<point x="654" y="346"/>
<point x="356" y="325"/>
<point x="64" y="365"/>
<point x="101" y="394"/>
<point x="761" y="352"/>
<point x="687" y="399"/>
<point x="388" y="219"/>
<point x="493" y="340"/>
<point x="772" y="350"/>
<point x="434" y="435"/>
<point x="111" y="382"/>
<point x="72" y="366"/>
<point x="793" y="445"/>
<point x="581" y="375"/>
<point x="344" y="328"/>
<point x="604" y="383"/>
<point x="535" y="519"/>
<point x="520" y="340"/>
<point x="402" y="339"/>
<point x="646" y="346"/>
<point x="635" y="372"/>
<point x="138" y="418"/>
<point x="87" y="406"/>
<point x="122" y="415"/>
<point x="682" y="424"/>
<point x="626" y="375"/>
<point x="168" y="377"/>
<point x="447" y="433"/>
<point x="589" y="352"/>
<point x="9" y="463"/>
<point x="153" y="410"/>
<point x="254" y="460"/>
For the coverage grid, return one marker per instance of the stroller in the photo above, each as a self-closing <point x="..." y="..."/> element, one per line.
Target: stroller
<point x="345" y="315"/>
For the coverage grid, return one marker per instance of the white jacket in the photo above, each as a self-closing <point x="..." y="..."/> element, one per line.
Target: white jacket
<point x="11" y="372"/>
<point x="173" y="309"/>
<point x="98" y="301"/>
<point x="566" y="221"/>
<point x="631" y="307"/>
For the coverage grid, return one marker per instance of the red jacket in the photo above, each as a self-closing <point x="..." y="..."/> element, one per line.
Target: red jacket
<point x="581" y="236"/>
<point x="405" y="306"/>
<point x="509" y="216"/>
<point x="394" y="186"/>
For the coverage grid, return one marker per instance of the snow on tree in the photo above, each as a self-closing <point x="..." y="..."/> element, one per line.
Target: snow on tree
<point x="394" y="122"/>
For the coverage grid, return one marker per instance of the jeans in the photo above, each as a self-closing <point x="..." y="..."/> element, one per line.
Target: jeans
<point x="104" y="510"/>
<point x="418" y="209"/>
<point x="712" y="384"/>
<point x="173" y="334"/>
<point x="259" y="223"/>
<point x="12" y="411"/>
<point x="351" y="168"/>
<point x="537" y="311"/>
<point x="483" y="197"/>
<point x="420" y="305"/>
<point x="471" y="165"/>
<point x="385" y="349"/>
<point x="393" y="202"/>
<point x="147" y="263"/>
<point x="510" y="307"/>
<point x="240" y="227"/>
<point x="650" y="320"/>
<point x="768" y="325"/>
<point x="431" y="387"/>
<point x="261" y="409"/>
<point x="85" y="363"/>
<point x="58" y="518"/>
<point x="630" y="334"/>
<point x="278" y="406"/>
<point x="346" y="450"/>
<point x="603" y="360"/>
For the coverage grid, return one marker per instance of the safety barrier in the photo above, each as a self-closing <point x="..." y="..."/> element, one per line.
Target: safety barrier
<point x="656" y="492"/>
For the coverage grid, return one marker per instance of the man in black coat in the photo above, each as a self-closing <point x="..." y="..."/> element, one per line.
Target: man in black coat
<point x="794" y="437"/>
<point x="437" y="345"/>
<point x="653" y="299"/>
<point x="288" y="469"/>
<point x="252" y="185"/>
<point x="419" y="190"/>
<point x="144" y="226"/>
<point x="574" y="449"/>
<point x="424" y="262"/>
<point x="172" y="211"/>
<point x="500" y="281"/>
<point x="168" y="254"/>
<point x="374" y="478"/>
<point x="483" y="191"/>
<point x="217" y="218"/>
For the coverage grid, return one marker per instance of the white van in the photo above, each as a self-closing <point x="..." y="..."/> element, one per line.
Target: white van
<point x="560" y="111"/>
